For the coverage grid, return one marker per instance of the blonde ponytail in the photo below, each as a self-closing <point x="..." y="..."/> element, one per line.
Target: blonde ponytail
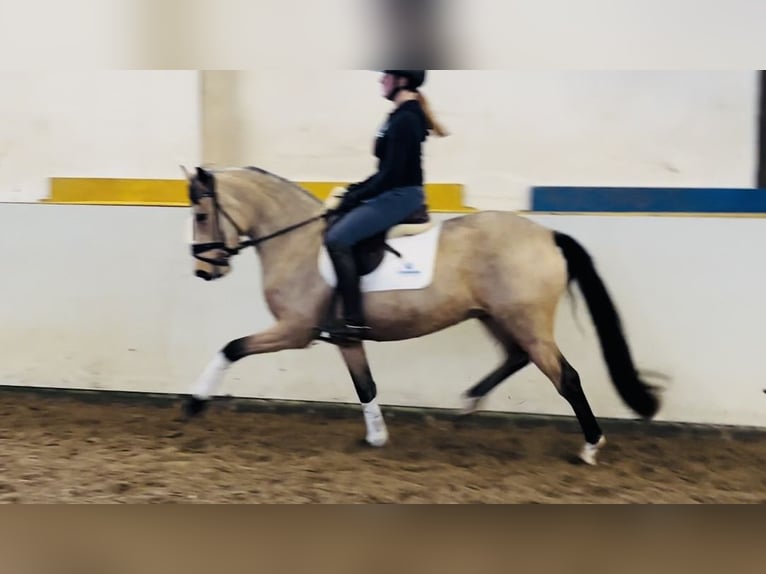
<point x="433" y="124"/>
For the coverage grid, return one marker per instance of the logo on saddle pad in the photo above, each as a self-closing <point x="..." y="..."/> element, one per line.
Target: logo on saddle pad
<point x="413" y="270"/>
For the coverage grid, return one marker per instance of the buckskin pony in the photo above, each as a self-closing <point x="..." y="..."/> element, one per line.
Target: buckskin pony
<point x="497" y="267"/>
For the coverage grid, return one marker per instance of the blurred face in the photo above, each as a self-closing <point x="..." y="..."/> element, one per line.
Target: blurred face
<point x="388" y="82"/>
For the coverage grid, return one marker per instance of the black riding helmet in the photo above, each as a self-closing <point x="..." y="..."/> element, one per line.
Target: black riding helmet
<point x="415" y="79"/>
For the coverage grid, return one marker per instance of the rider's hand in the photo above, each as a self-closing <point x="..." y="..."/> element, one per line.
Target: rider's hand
<point x="333" y="200"/>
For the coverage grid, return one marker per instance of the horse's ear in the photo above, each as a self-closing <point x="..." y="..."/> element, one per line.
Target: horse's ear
<point x="186" y="172"/>
<point x="205" y="183"/>
<point x="203" y="175"/>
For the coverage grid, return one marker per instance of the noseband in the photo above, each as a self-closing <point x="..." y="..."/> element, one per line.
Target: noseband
<point x="219" y="243"/>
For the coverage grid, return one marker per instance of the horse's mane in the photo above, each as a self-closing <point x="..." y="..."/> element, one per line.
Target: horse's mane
<point x="262" y="171"/>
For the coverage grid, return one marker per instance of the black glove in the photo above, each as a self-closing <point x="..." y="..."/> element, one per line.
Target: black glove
<point x="348" y="202"/>
<point x="332" y="217"/>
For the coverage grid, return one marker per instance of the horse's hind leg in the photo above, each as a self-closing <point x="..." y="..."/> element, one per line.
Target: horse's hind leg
<point x="516" y="359"/>
<point x="547" y="356"/>
<point x="359" y="369"/>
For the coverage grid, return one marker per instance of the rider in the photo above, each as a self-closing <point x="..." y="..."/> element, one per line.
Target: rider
<point x="386" y="198"/>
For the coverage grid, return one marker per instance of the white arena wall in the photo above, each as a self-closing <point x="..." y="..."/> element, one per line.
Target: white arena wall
<point x="511" y="130"/>
<point x="100" y="124"/>
<point x="103" y="297"/>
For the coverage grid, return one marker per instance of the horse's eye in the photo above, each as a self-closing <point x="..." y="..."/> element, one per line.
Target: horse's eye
<point x="201" y="217"/>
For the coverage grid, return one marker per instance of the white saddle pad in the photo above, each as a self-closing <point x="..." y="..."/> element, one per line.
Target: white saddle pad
<point x="414" y="270"/>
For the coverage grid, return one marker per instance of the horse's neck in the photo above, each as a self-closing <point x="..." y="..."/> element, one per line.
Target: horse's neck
<point x="277" y="205"/>
<point x="288" y="261"/>
<point x="293" y="249"/>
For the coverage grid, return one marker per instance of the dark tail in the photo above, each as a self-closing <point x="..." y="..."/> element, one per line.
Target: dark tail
<point x="637" y="394"/>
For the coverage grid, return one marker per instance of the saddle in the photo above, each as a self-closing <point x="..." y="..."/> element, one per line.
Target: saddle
<point x="369" y="253"/>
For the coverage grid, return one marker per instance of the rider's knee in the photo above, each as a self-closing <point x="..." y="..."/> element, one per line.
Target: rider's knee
<point x="331" y="242"/>
<point x="334" y="241"/>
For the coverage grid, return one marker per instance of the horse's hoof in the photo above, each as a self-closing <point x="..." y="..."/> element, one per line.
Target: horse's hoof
<point x="377" y="438"/>
<point x="193" y="407"/>
<point x="470" y="406"/>
<point x="375" y="443"/>
<point x="366" y="443"/>
<point x="590" y="451"/>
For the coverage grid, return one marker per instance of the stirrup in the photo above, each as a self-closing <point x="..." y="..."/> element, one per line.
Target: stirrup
<point x="342" y="332"/>
<point x="345" y="330"/>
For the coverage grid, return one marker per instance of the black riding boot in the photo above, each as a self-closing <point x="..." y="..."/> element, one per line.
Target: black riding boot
<point x="353" y="325"/>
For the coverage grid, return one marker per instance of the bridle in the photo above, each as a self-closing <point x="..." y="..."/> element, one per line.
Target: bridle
<point x="200" y="249"/>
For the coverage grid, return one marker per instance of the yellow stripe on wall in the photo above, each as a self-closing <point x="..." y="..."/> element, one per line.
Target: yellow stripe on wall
<point x="441" y="197"/>
<point x="115" y="191"/>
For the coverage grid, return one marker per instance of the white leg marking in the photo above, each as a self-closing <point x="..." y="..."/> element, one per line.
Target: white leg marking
<point x="377" y="433"/>
<point x="211" y="377"/>
<point x="470" y="404"/>
<point x="589" y="451"/>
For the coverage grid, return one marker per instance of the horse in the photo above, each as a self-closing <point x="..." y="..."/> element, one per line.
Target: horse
<point x="497" y="267"/>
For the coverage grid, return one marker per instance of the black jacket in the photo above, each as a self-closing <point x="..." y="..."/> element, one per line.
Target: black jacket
<point x="398" y="148"/>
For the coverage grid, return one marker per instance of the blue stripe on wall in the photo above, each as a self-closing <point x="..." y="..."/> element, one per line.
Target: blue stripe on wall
<point x="640" y="199"/>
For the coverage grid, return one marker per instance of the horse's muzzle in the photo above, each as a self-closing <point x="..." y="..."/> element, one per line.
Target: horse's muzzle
<point x="206" y="275"/>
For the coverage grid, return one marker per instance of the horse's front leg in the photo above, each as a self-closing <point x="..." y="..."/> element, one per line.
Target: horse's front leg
<point x="279" y="337"/>
<point x="359" y="369"/>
